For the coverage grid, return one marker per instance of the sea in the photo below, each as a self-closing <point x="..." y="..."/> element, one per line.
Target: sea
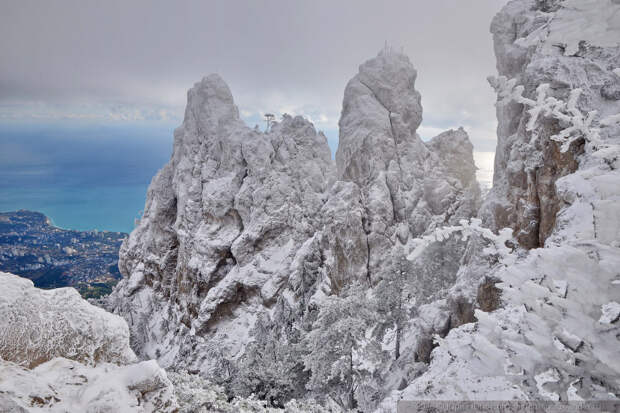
<point x="81" y="175"/>
<point x="88" y="176"/>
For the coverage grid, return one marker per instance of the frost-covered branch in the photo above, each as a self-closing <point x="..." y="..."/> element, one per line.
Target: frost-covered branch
<point x="466" y="229"/>
<point x="580" y="125"/>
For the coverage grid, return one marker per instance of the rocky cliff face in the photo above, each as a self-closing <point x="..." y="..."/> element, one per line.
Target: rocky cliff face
<point x="244" y="232"/>
<point x="555" y="335"/>
<point x="538" y="43"/>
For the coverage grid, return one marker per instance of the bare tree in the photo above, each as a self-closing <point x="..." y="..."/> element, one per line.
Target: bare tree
<point x="269" y="119"/>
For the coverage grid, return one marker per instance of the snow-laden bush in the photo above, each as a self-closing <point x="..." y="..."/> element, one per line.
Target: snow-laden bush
<point x="467" y="228"/>
<point x="339" y="348"/>
<point x="271" y="368"/>
<point x="197" y="395"/>
<point x="576" y="124"/>
<point x="38" y="325"/>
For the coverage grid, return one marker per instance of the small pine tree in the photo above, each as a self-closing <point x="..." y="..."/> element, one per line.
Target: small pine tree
<point x="391" y="294"/>
<point x="338" y="343"/>
<point x="271" y="367"/>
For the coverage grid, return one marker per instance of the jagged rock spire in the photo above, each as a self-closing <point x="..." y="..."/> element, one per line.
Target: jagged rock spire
<point x="381" y="110"/>
<point x="246" y="232"/>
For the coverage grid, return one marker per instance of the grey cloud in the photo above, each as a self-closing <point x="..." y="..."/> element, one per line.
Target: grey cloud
<point x="275" y="54"/>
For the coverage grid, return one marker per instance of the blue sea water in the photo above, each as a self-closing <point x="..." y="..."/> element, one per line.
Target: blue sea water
<point x="83" y="176"/>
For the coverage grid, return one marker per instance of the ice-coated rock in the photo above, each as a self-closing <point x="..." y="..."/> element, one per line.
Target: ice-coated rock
<point x="39" y="325"/>
<point x="223" y="223"/>
<point x="405" y="185"/>
<point x="244" y="233"/>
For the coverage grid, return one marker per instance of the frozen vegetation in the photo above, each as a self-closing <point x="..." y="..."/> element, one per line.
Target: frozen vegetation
<point x="266" y="277"/>
<point x="59" y="353"/>
<point x="39" y="325"/>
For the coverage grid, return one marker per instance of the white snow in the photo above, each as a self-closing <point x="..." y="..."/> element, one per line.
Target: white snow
<point x="38" y="325"/>
<point x="62" y="385"/>
<point x="596" y="22"/>
<point x="610" y="313"/>
<point x="549" y="376"/>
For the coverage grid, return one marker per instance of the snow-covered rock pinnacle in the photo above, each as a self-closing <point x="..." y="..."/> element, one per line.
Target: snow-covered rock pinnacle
<point x="381" y="109"/>
<point x="224" y="222"/>
<point x="405" y="185"/>
<point x="245" y="233"/>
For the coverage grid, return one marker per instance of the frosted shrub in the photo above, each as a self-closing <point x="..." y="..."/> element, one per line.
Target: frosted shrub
<point x="578" y="124"/>
<point x="466" y="229"/>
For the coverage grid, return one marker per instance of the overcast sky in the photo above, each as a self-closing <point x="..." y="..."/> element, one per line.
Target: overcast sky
<point x="125" y="60"/>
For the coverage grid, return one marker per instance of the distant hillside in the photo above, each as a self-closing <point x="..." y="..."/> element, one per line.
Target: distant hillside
<point x="30" y="246"/>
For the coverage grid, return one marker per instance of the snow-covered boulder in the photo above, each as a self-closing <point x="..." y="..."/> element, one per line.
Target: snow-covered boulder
<point x="62" y="385"/>
<point x="39" y="325"/>
<point x="59" y="353"/>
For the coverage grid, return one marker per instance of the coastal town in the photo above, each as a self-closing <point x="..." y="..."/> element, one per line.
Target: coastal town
<point x="32" y="247"/>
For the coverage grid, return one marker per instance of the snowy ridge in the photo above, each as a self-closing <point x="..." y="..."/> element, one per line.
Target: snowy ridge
<point x="265" y="277"/>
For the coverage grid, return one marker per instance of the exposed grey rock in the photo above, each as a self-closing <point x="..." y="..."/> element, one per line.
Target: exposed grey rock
<point x="406" y="186"/>
<point x="528" y="163"/>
